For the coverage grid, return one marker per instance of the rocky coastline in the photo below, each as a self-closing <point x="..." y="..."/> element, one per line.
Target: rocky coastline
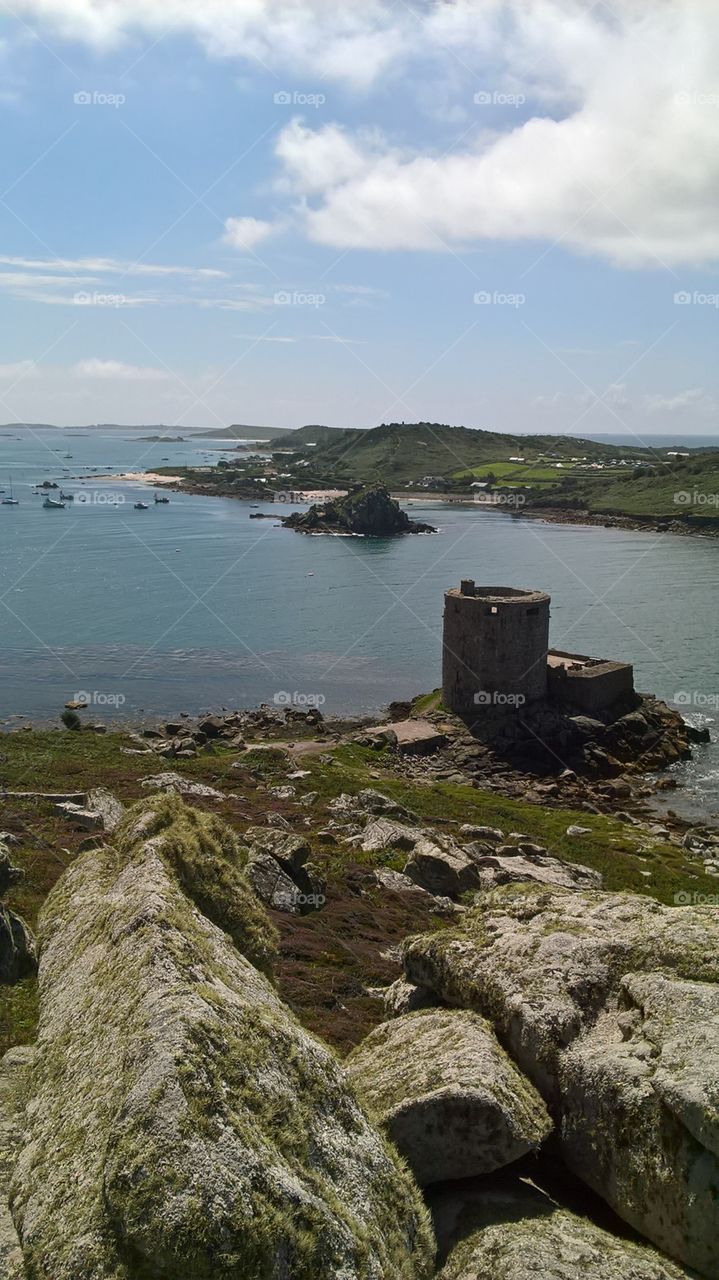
<point x="479" y="929"/>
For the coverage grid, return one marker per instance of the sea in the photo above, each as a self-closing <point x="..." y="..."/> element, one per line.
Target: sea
<point x="195" y="606"/>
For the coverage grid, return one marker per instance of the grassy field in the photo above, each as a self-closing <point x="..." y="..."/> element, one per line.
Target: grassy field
<point x="330" y="959"/>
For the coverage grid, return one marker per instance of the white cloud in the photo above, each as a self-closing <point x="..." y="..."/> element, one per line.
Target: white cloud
<point x="694" y="398"/>
<point x="245" y="233"/>
<point x="623" y="165"/>
<point x="350" y="43"/>
<point x="116" y="370"/>
<point x="613" y="150"/>
<point x="109" y="266"/>
<point x="20" y="369"/>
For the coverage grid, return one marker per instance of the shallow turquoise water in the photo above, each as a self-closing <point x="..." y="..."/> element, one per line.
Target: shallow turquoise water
<point x="193" y="605"/>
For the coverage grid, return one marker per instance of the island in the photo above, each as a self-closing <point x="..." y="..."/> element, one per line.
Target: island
<point x="366" y="511"/>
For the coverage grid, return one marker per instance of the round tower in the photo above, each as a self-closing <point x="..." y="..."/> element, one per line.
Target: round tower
<point x="494" y="649"/>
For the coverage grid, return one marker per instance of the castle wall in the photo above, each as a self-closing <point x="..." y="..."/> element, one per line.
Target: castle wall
<point x="590" y="685"/>
<point x="494" y="648"/>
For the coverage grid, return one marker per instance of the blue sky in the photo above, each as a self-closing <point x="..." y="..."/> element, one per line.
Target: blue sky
<point x="267" y="211"/>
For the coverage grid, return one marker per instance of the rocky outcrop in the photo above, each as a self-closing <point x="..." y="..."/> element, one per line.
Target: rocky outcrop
<point x="510" y="866"/>
<point x="14" y="1071"/>
<point x="368" y="511"/>
<point x="515" y="1232"/>
<point x="183" y="1121"/>
<point x="447" y="1094"/>
<point x="609" y="1003"/>
<point x="17" y="945"/>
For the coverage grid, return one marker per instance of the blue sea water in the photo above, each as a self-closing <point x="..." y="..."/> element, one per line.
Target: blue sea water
<point x="193" y="605"/>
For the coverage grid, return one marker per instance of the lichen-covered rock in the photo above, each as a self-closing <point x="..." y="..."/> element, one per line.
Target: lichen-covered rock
<point x="14" y="1071"/>
<point x="517" y="1233"/>
<point x="403" y="997"/>
<point x="183" y="1122"/>
<point x="640" y="1113"/>
<point x="610" y="1004"/>
<point x="272" y="884"/>
<point x="290" y="850"/>
<point x="447" y="1095"/>
<point x="444" y="870"/>
<point x="104" y="803"/>
<point x="542" y="963"/>
<point x="18" y="956"/>
<point x="495" y="869"/>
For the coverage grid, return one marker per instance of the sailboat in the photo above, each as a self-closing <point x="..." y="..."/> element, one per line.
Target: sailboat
<point x="11" y="501"/>
<point x="53" y="504"/>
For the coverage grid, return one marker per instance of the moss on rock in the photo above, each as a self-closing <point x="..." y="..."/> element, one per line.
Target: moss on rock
<point x="183" y="1122"/>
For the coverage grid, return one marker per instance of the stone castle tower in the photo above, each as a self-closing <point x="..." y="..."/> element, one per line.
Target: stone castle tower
<point x="495" y="643"/>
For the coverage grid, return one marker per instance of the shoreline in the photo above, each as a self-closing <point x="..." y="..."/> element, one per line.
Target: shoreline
<point x="549" y="515"/>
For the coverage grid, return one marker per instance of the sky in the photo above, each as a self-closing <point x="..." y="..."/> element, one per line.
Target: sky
<point x="277" y="212"/>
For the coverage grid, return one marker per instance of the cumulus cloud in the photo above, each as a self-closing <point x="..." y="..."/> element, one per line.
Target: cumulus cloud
<point x="595" y="126"/>
<point x="618" y="158"/>
<point x="351" y="43"/>
<point x="245" y="233"/>
<point x="116" y="370"/>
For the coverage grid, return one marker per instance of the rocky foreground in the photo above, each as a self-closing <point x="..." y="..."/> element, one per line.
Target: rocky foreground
<point x="529" y="995"/>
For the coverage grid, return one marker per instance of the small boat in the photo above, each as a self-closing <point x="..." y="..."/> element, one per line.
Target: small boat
<point x="254" y="505"/>
<point x="67" y="497"/>
<point x="53" y="504"/>
<point x="141" y="506"/>
<point x="11" y="501"/>
<point x="162" y="498"/>
<point x="67" y="455"/>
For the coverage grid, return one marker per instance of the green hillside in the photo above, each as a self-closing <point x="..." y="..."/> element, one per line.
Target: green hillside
<point x="399" y="454"/>
<point x="677" y="489"/>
